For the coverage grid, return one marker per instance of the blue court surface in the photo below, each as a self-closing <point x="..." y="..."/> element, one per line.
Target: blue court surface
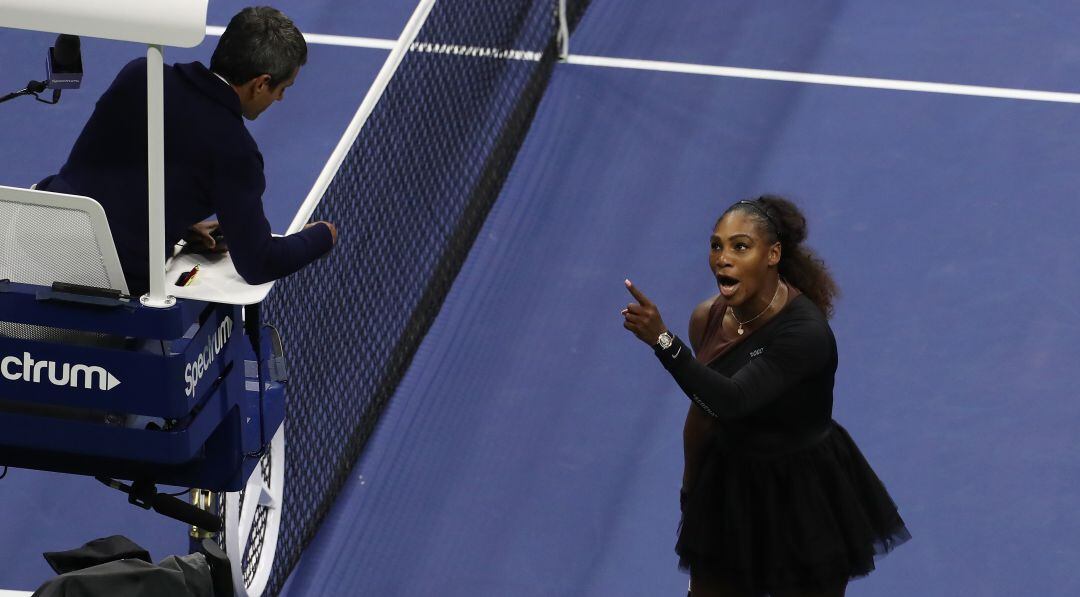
<point x="534" y="447"/>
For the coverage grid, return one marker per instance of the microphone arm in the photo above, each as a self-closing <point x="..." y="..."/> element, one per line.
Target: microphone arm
<point x="33" y="88"/>
<point x="145" y="495"/>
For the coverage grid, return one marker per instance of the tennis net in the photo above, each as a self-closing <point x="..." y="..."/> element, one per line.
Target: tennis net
<point x="410" y="197"/>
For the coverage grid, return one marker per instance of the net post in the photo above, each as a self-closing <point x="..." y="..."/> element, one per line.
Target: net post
<point x="155" y="169"/>
<point x="564" y="33"/>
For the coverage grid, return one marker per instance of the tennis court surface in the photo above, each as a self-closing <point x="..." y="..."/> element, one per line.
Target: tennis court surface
<point x="468" y="415"/>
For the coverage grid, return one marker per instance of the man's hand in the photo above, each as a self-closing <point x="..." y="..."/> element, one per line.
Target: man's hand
<point x="642" y="318"/>
<point x="205" y="237"/>
<point x="333" y="229"/>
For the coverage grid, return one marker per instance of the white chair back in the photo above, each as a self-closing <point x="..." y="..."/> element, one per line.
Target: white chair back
<point x="52" y="237"/>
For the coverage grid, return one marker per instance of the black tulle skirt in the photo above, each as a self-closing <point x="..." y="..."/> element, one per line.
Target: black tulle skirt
<point x="806" y="519"/>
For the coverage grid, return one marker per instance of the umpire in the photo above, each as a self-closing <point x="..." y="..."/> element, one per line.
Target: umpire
<point x="212" y="164"/>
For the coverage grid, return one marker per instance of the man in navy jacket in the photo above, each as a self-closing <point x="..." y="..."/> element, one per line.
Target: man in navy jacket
<point x="212" y="164"/>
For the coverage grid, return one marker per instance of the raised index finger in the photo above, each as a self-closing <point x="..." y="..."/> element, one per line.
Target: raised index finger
<point x="641" y="298"/>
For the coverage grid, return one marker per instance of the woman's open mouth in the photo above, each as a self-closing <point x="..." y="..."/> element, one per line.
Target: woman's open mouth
<point x="728" y="285"/>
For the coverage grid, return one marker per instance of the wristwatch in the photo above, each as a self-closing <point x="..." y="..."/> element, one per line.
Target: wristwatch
<point x="665" y="340"/>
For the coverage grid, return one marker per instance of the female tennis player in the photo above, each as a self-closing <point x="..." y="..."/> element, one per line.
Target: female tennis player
<point x="777" y="499"/>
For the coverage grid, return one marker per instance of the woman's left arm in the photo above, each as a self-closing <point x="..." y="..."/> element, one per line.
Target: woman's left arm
<point x="798" y="350"/>
<point x="800" y="347"/>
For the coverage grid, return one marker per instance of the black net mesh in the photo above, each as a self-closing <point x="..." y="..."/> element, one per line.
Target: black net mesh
<point x="408" y="201"/>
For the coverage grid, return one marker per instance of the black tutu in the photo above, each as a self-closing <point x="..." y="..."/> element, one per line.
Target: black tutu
<point x="804" y="519"/>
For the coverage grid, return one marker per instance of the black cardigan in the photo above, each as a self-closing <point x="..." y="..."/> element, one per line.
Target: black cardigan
<point x="212" y="166"/>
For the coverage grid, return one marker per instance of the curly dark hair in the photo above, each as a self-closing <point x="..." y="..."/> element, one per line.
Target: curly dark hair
<point x="784" y="222"/>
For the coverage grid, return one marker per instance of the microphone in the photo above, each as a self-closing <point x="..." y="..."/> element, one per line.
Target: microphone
<point x="64" y="63"/>
<point x="63" y="68"/>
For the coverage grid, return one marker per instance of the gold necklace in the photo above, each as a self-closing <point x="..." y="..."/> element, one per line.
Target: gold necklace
<point x="742" y="323"/>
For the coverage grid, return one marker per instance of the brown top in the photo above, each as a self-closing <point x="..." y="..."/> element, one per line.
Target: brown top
<point x="715" y="341"/>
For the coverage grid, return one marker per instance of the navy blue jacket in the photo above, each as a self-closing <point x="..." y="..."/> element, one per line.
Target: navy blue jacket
<point x="212" y="166"/>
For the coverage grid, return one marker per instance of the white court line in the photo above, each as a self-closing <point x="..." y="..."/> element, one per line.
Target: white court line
<point x="329" y="40"/>
<point x="6" y="593"/>
<point x="714" y="71"/>
<point x="817" y="79"/>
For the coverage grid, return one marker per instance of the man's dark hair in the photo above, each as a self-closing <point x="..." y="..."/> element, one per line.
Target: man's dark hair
<point x="259" y="40"/>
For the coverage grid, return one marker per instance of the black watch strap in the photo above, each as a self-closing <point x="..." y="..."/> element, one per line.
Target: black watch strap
<point x="676" y="351"/>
